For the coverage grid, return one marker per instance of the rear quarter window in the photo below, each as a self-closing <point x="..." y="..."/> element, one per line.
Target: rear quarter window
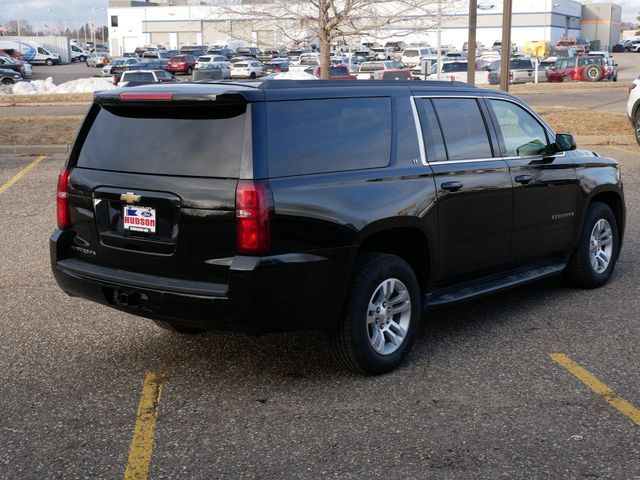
<point x="328" y="135"/>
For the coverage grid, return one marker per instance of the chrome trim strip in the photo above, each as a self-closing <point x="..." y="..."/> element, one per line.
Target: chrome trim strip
<point x="495" y="159"/>
<point x="416" y="120"/>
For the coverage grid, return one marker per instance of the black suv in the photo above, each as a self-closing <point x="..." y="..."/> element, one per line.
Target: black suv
<point x="347" y="206"/>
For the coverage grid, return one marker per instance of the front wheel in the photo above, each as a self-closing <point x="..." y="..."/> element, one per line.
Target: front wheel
<point x="8" y="81"/>
<point x="592" y="264"/>
<point x="636" y="124"/>
<point x="48" y="62"/>
<point x="381" y="317"/>
<point x="252" y="76"/>
<point x="189" y="71"/>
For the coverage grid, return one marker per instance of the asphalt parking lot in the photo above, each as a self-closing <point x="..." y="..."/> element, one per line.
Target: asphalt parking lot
<point x="479" y="397"/>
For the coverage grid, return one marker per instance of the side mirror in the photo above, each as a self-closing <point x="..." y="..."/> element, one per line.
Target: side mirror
<point x="565" y="142"/>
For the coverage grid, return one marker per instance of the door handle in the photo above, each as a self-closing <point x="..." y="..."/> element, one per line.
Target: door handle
<point x="451" y="186"/>
<point x="523" y="179"/>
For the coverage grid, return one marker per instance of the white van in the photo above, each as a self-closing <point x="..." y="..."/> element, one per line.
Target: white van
<point x="413" y="56"/>
<point x="77" y="53"/>
<point x="31" y="51"/>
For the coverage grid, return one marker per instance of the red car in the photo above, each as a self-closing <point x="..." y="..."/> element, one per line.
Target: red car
<point x="336" y="72"/>
<point x="590" y="69"/>
<point x="182" y="64"/>
<point x="393" y="74"/>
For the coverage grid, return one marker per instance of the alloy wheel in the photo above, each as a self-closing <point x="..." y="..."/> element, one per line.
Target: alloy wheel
<point x="601" y="245"/>
<point x="388" y="316"/>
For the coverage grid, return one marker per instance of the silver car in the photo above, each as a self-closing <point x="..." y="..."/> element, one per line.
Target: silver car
<point x="96" y="60"/>
<point x="117" y="62"/>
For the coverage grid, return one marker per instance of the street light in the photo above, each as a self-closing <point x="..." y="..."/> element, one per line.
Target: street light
<point x="50" y="22"/>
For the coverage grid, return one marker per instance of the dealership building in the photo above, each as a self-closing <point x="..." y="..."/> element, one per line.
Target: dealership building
<point x="174" y="23"/>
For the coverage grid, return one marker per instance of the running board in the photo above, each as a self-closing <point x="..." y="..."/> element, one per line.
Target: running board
<point x="485" y="286"/>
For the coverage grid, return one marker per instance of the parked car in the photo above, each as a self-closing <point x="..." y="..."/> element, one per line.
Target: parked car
<point x="610" y="66"/>
<point x="361" y="56"/>
<point x="366" y="70"/>
<point x="207" y="61"/>
<point x="132" y="78"/>
<point x="269" y="55"/>
<point x="160" y="56"/>
<point x="250" y="69"/>
<point x="633" y="107"/>
<point x="521" y="70"/>
<point x="311" y="203"/>
<point x="194" y="50"/>
<point x="9" y="77"/>
<point x="118" y="62"/>
<point x="383" y="53"/>
<point x="396" y="46"/>
<point x="96" y="60"/>
<point x="450" y="71"/>
<point x="208" y="74"/>
<point x="182" y="63"/>
<point x="336" y="72"/>
<point x="248" y="52"/>
<point x="277" y="65"/>
<point x="226" y="52"/>
<point x="393" y="74"/>
<point x="23" y="68"/>
<point x="241" y="59"/>
<point x="117" y="71"/>
<point x="589" y="69"/>
<point x="413" y="56"/>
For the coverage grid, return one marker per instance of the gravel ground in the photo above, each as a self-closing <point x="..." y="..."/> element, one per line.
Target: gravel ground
<point x="479" y="396"/>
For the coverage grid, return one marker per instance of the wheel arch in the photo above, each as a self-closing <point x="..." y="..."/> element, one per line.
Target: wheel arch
<point x="408" y="239"/>
<point x="614" y="201"/>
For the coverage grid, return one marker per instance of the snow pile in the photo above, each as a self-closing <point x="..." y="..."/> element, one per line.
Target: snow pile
<point x="293" y="75"/>
<point x="82" y="85"/>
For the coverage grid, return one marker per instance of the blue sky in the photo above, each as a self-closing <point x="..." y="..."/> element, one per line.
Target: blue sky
<point x="78" y="11"/>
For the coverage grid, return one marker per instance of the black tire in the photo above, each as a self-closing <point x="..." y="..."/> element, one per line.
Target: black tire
<point x="636" y="124"/>
<point x="252" y="76"/>
<point x="349" y="341"/>
<point x="178" y="328"/>
<point x="592" y="73"/>
<point x="615" y="77"/>
<point x="189" y="71"/>
<point x="48" y="62"/>
<point x="82" y="58"/>
<point x="8" y="81"/>
<point x="580" y="272"/>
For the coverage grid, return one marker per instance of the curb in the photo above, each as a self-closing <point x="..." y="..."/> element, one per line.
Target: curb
<point x="32" y="149"/>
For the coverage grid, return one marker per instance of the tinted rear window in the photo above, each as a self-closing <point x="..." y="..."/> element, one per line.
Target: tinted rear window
<point x="181" y="140"/>
<point x="330" y="135"/>
<point x="463" y="128"/>
<point x="411" y="53"/>
<point x="138" y="77"/>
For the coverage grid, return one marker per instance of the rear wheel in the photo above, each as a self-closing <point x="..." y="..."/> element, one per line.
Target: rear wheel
<point x="189" y="71"/>
<point x="592" y="73"/>
<point x="593" y="262"/>
<point x="381" y="316"/>
<point x="253" y="75"/>
<point x="8" y="81"/>
<point x="636" y="123"/>
<point x="172" y="327"/>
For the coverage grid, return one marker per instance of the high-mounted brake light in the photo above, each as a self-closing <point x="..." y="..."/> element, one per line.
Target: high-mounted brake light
<point x="254" y="203"/>
<point x="62" y="201"/>
<point x="126" y="96"/>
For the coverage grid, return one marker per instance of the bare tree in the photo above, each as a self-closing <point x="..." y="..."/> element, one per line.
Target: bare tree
<point x="328" y="21"/>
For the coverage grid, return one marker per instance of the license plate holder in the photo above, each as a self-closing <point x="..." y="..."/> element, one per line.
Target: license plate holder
<point x="137" y="218"/>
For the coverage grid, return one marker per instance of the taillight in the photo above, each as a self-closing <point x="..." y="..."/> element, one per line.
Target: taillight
<point x="62" y="201"/>
<point x="253" y="217"/>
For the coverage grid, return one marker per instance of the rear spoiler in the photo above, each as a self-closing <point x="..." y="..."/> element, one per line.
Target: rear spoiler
<point x="148" y="96"/>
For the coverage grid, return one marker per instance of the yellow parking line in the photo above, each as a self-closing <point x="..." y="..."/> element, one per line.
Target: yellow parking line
<point x="598" y="387"/>
<point x="21" y="173"/>
<point x="142" y="441"/>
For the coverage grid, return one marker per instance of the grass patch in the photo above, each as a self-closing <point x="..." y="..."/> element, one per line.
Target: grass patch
<point x="585" y="122"/>
<point x="40" y="130"/>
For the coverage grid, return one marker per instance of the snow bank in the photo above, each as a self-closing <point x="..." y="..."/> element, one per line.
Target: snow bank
<point x="82" y="85"/>
<point x="293" y="75"/>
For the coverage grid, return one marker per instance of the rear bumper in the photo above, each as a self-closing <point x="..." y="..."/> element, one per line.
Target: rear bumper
<point x="263" y="294"/>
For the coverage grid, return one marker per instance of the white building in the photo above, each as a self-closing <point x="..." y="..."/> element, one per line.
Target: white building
<point x="136" y="23"/>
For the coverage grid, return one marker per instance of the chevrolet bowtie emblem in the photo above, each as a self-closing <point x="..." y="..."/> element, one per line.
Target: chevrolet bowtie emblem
<point x="130" y="197"/>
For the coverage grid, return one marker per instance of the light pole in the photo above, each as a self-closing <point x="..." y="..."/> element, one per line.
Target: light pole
<point x="93" y="27"/>
<point x="50" y="23"/>
<point x="18" y="24"/>
<point x="505" y="54"/>
<point x="439" y="41"/>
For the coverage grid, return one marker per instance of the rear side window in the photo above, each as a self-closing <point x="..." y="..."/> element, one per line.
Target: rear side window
<point x="329" y="135"/>
<point x="166" y="140"/>
<point x="463" y="128"/>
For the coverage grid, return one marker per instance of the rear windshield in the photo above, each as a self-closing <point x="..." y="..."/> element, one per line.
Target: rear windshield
<point x="178" y="58"/>
<point x="411" y="53"/>
<point x="180" y="140"/>
<point x="138" y="77"/>
<point x="454" y="67"/>
<point x="372" y="67"/>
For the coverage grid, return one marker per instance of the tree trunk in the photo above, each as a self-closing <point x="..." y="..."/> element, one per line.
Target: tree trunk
<point x="325" y="62"/>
